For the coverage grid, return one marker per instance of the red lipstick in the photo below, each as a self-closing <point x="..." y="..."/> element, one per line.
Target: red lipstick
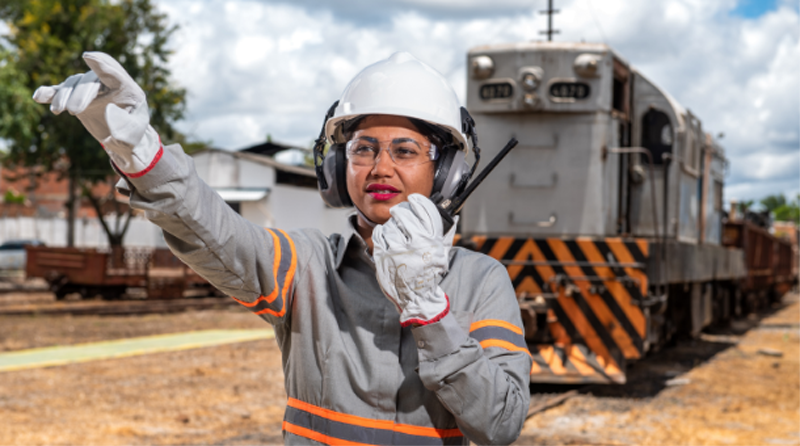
<point x="382" y="192"/>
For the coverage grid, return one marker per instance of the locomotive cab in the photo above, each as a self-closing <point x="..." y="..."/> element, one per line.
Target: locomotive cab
<point x="607" y="214"/>
<point x="566" y="104"/>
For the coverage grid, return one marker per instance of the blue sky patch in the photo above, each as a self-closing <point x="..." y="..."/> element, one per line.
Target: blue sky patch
<point x="752" y="9"/>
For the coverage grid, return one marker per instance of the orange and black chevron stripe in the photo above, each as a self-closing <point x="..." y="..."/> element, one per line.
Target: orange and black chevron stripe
<point x="594" y="288"/>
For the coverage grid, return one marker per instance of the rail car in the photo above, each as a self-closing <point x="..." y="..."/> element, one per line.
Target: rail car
<point x="608" y="215"/>
<point x="112" y="274"/>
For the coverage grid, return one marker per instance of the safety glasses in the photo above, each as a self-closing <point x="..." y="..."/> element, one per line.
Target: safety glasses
<point x="364" y="151"/>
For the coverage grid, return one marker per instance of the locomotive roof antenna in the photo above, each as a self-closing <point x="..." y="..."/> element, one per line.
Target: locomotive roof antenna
<point x="596" y="22"/>
<point x="550" y="11"/>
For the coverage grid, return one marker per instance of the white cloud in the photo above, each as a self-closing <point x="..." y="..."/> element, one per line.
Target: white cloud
<point x="253" y="68"/>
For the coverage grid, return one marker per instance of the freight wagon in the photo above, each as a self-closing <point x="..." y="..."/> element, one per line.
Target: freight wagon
<point x="608" y="215"/>
<point x="111" y="274"/>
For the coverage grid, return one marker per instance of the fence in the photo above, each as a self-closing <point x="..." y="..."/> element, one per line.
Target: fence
<point x="88" y="231"/>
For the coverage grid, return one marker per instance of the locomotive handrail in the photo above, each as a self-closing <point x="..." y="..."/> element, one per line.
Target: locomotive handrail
<point x="540" y="223"/>
<point x="569" y="281"/>
<point x="660" y="232"/>
<point x="592" y="264"/>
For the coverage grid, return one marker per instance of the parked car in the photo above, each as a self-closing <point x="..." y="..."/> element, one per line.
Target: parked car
<point x="12" y="253"/>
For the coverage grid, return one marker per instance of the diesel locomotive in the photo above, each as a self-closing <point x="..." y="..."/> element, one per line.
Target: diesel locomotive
<point x="609" y="213"/>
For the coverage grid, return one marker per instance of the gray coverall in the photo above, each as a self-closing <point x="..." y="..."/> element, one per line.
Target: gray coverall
<point x="352" y="373"/>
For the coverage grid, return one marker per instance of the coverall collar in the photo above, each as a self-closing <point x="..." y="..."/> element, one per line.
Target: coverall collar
<point x="351" y="239"/>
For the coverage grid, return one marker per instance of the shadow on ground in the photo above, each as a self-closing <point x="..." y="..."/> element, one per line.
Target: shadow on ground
<point x="649" y="376"/>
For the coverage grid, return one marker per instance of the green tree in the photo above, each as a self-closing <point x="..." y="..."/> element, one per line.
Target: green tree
<point x="744" y="206"/>
<point x="772" y="202"/>
<point x="787" y="212"/>
<point x="44" y="47"/>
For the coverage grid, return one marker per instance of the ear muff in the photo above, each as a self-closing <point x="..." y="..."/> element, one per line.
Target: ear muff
<point x="452" y="173"/>
<point x="330" y="169"/>
<point x="334" y="176"/>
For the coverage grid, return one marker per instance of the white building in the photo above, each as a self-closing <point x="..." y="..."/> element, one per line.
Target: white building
<point x="267" y="192"/>
<point x="264" y="191"/>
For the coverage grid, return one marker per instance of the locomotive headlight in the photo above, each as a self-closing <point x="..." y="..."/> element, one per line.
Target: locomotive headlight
<point x="531" y="77"/>
<point x="530" y="99"/>
<point x="529" y="81"/>
<point x="586" y="65"/>
<point x="482" y="67"/>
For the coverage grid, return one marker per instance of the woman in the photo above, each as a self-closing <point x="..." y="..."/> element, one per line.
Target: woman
<point x="452" y="367"/>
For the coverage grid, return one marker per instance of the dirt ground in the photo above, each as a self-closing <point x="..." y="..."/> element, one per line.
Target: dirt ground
<point x="724" y="391"/>
<point x="727" y="392"/>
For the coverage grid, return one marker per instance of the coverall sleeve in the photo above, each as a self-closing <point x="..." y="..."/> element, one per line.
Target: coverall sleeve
<point x="255" y="266"/>
<point x="482" y="376"/>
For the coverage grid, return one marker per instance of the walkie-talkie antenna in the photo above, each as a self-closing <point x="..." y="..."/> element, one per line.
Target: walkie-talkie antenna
<point x="449" y="208"/>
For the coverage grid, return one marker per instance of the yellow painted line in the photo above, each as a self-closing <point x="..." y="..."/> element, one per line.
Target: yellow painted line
<point x="70" y="354"/>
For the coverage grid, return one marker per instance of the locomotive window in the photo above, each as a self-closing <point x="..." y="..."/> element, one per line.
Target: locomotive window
<point x="620" y="92"/>
<point x="657" y="134"/>
<point x="717" y="196"/>
<point x="619" y="96"/>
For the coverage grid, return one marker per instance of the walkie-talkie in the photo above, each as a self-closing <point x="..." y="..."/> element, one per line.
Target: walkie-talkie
<point x="449" y="208"/>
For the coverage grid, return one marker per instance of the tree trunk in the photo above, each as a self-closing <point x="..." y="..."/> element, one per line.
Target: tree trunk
<point x="71" y="211"/>
<point x="115" y="237"/>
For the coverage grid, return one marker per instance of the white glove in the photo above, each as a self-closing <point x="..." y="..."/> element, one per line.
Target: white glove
<point x="113" y="108"/>
<point x="411" y="257"/>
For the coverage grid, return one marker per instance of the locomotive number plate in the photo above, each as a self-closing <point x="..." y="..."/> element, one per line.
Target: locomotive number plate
<point x="569" y="90"/>
<point x="496" y="90"/>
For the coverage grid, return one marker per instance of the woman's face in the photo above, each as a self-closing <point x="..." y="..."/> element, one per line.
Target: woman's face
<point x="375" y="189"/>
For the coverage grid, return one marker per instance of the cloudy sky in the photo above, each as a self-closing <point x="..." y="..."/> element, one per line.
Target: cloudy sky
<point x="254" y="68"/>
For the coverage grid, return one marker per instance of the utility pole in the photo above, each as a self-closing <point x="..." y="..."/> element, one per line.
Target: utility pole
<point x="550" y="11"/>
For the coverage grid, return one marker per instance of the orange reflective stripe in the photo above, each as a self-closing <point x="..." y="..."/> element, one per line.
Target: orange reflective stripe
<point x="276" y="262"/>
<point x="287" y="280"/>
<point x="340" y="417"/>
<point x="503" y="344"/>
<point x="283" y="275"/>
<point x="373" y="423"/>
<point x="427" y="431"/>
<point x="495" y="323"/>
<point x="316" y="436"/>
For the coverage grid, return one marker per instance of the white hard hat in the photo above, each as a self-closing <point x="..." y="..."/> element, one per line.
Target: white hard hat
<point x="404" y="86"/>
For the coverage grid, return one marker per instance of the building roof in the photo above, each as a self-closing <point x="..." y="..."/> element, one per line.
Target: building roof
<point x="268" y="148"/>
<point x="300" y="176"/>
<point x="264" y="160"/>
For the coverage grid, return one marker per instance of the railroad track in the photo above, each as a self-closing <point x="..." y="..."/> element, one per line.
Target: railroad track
<point x="542" y="404"/>
<point x="128" y="307"/>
